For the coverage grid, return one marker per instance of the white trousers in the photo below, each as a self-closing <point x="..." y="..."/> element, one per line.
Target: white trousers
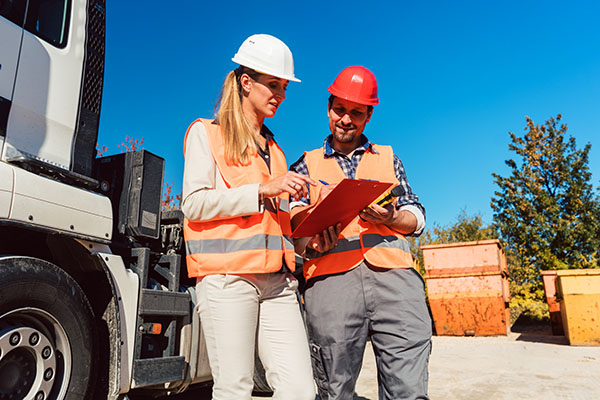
<point x="239" y="312"/>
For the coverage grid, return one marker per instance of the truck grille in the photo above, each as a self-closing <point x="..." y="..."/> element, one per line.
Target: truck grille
<point x="94" y="63"/>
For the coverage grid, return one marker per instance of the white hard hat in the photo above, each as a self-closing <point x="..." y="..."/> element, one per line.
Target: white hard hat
<point x="268" y="55"/>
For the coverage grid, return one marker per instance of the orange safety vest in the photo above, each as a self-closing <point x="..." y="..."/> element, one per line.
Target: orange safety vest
<point x="380" y="245"/>
<point x="248" y="244"/>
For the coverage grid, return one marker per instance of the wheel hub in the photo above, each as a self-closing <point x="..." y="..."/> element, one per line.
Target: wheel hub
<point x="27" y="363"/>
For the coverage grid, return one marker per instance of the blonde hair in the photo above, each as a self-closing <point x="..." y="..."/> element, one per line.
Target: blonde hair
<point x="238" y="133"/>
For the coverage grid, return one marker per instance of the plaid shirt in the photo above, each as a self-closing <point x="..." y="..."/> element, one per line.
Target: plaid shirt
<point x="349" y="166"/>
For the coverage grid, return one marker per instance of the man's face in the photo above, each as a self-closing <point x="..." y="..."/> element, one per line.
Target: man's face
<point x="347" y="120"/>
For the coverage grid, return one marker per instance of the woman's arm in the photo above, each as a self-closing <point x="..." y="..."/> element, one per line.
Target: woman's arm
<point x="204" y="194"/>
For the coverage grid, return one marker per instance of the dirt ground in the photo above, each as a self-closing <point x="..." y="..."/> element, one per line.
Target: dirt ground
<point x="532" y="365"/>
<point x="523" y="365"/>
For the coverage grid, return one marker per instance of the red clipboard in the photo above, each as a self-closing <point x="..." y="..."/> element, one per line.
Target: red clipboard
<point x="342" y="205"/>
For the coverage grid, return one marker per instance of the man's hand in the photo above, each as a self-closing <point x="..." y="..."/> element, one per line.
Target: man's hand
<point x="326" y="240"/>
<point x="325" y="190"/>
<point x="402" y="221"/>
<point x="379" y="215"/>
<point x="298" y="213"/>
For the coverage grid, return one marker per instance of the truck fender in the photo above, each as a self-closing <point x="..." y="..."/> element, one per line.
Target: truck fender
<point x="125" y="288"/>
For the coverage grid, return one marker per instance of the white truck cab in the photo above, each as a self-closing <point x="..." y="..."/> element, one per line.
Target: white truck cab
<point x="51" y="81"/>
<point x="95" y="302"/>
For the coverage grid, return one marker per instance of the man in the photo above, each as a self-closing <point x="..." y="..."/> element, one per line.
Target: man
<point x="365" y="287"/>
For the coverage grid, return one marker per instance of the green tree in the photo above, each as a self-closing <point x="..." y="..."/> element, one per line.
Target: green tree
<point x="547" y="211"/>
<point x="466" y="229"/>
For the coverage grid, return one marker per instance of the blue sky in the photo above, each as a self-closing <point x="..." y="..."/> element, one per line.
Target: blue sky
<point x="454" y="78"/>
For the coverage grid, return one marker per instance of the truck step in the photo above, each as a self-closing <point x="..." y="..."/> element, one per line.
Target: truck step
<point x="159" y="302"/>
<point x="154" y="371"/>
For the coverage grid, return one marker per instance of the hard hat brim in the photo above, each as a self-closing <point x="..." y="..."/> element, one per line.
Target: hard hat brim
<point x="344" y="96"/>
<point x="262" y="70"/>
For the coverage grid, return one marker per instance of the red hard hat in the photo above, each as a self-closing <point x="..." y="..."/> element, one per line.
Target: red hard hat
<point x="356" y="84"/>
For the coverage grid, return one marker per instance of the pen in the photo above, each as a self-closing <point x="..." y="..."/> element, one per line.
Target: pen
<point x="323" y="182"/>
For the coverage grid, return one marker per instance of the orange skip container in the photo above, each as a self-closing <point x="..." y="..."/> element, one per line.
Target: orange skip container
<point x="467" y="286"/>
<point x="578" y="291"/>
<point x="549" y="280"/>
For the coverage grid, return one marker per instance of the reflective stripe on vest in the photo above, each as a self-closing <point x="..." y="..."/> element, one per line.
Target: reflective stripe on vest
<point x="360" y="240"/>
<point x="222" y="246"/>
<point x="257" y="243"/>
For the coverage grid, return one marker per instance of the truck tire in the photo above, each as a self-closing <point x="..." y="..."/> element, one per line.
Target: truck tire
<point x="46" y="333"/>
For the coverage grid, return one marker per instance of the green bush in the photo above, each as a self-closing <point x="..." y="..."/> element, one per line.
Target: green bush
<point x="528" y="300"/>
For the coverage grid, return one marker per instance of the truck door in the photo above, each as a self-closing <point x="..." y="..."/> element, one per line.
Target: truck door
<point x="12" y="15"/>
<point x="45" y="100"/>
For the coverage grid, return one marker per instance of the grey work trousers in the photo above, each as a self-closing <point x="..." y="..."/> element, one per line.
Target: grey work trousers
<point x="386" y="306"/>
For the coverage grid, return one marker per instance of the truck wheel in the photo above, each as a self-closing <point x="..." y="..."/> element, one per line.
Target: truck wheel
<point x="46" y="332"/>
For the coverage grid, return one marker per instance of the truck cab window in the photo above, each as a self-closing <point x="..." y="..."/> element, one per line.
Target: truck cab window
<point x="49" y="20"/>
<point x="13" y="10"/>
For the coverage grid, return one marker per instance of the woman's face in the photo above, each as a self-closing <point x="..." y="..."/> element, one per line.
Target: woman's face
<point x="264" y="94"/>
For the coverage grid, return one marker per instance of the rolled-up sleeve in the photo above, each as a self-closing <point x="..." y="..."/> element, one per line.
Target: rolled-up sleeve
<point x="205" y="194"/>
<point x="409" y="201"/>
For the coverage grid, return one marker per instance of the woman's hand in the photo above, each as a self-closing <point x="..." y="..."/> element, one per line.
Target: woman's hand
<point x="326" y="240"/>
<point x="291" y="182"/>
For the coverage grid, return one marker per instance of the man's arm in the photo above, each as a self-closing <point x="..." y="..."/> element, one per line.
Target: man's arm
<point x="407" y="203"/>
<point x="408" y="214"/>
<point x="299" y="209"/>
<point x="300" y="167"/>
<point x="402" y="221"/>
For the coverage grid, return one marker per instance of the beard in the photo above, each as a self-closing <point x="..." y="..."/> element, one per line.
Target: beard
<point x="345" y="135"/>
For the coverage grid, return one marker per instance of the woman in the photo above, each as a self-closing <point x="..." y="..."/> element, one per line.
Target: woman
<point x="236" y="193"/>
